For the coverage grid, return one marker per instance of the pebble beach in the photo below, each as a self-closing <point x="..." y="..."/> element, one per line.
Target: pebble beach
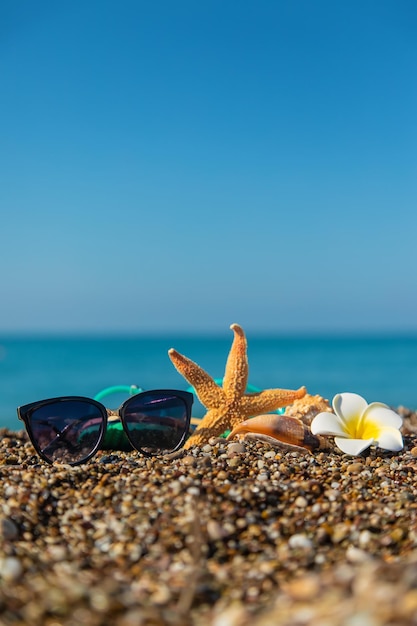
<point x="234" y="533"/>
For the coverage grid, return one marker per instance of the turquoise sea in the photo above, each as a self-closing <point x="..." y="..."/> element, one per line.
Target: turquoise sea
<point x="33" y="368"/>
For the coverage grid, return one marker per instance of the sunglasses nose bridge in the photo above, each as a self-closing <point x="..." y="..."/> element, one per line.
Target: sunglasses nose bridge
<point x="113" y="415"/>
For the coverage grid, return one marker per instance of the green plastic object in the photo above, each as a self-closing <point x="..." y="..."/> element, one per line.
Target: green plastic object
<point x="132" y="390"/>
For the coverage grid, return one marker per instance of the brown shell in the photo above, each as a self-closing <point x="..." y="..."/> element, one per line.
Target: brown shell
<point x="284" y="428"/>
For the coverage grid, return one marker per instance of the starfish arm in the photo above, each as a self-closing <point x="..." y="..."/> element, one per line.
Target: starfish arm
<point x="209" y="393"/>
<point x="236" y="373"/>
<point x="213" y="424"/>
<point x="269" y="400"/>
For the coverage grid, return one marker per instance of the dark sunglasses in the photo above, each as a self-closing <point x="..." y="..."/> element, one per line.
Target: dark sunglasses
<point x="71" y="429"/>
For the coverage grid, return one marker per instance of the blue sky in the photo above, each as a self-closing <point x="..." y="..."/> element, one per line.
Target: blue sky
<point x="179" y="166"/>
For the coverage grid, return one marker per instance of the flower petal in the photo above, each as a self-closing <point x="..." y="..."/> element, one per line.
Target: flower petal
<point x="383" y="415"/>
<point x="328" y="424"/>
<point x="353" y="446"/>
<point x="349" y="406"/>
<point x="390" y="439"/>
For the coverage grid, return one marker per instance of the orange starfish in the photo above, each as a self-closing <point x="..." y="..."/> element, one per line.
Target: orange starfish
<point x="229" y="405"/>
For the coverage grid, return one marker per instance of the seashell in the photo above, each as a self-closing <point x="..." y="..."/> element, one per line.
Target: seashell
<point x="308" y="407"/>
<point x="284" y="428"/>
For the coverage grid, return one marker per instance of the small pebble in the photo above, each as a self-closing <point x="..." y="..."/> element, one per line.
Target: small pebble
<point x="10" y="569"/>
<point x="397" y="534"/>
<point x="364" y="538"/>
<point x="235" y="448"/>
<point x="355" y="468"/>
<point x="215" y="530"/>
<point x="340" y="532"/>
<point x="189" y="460"/>
<point x="356" y="555"/>
<point x="12" y="460"/>
<point x="300" y="541"/>
<point x="305" y="588"/>
<point x="300" y="502"/>
<point x="8" y="529"/>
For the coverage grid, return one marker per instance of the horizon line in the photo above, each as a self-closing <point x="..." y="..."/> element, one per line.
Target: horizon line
<point x="260" y="333"/>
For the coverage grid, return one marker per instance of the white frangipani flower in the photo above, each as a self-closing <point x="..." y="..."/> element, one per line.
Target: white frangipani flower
<point x="356" y="425"/>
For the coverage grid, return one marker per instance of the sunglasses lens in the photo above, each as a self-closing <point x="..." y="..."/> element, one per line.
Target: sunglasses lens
<point x="68" y="431"/>
<point x="157" y="424"/>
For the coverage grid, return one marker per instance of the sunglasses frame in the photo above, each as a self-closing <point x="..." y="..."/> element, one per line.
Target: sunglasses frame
<point x="25" y="411"/>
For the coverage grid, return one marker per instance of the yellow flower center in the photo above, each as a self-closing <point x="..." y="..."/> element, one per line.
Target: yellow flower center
<point x="358" y="428"/>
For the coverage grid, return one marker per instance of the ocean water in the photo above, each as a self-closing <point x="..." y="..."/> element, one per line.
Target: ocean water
<point x="381" y="369"/>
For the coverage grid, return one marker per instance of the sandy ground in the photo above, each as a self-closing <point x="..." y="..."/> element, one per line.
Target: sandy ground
<point x="232" y="534"/>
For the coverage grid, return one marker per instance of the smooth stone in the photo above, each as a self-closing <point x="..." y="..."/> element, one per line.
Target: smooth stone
<point x="300" y="541"/>
<point x="235" y="448"/>
<point x="10" y="569"/>
<point x="8" y="529"/>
